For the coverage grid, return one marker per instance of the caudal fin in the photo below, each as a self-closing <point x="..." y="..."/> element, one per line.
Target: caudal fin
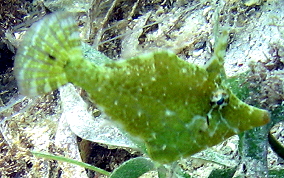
<point x="44" y="52"/>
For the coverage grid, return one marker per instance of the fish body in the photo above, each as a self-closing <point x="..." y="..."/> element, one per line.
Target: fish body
<point x="173" y="107"/>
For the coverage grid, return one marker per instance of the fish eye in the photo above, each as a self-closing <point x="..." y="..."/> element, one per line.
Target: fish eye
<point x="220" y="98"/>
<point x="220" y="101"/>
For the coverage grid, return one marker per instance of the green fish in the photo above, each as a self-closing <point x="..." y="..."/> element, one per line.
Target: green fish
<point x="172" y="107"/>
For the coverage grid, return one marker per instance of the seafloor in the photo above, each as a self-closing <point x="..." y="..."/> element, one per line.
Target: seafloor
<point x="121" y="29"/>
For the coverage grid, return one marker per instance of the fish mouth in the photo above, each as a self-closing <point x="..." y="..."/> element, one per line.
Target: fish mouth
<point x="266" y="117"/>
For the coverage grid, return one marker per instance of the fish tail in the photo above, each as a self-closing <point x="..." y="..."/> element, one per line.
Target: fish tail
<point x="47" y="47"/>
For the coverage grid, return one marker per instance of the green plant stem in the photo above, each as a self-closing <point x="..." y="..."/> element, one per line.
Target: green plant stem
<point x="72" y="161"/>
<point x="253" y="151"/>
<point x="277" y="116"/>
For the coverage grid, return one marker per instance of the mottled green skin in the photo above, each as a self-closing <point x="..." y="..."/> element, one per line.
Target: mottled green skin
<point x="160" y="100"/>
<point x="163" y="101"/>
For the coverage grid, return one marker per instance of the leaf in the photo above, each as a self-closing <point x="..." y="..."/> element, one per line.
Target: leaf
<point x="71" y="161"/>
<point x="276" y="146"/>
<point x="276" y="173"/>
<point x="224" y="173"/>
<point x="133" y="168"/>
